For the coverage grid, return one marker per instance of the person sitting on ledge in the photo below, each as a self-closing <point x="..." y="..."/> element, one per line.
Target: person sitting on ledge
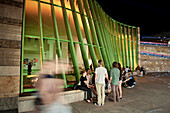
<point x="90" y="81"/>
<point x="84" y="85"/>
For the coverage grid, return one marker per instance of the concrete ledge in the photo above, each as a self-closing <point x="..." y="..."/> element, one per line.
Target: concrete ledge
<point x="27" y="103"/>
<point x="9" y="70"/>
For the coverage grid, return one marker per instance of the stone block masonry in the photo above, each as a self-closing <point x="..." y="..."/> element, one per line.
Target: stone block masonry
<point x="10" y="48"/>
<point x="155" y="63"/>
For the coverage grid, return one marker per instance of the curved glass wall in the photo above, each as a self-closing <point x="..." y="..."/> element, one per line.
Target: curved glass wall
<point x="78" y="31"/>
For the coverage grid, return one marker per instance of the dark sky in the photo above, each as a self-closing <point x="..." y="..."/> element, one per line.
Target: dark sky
<point x="152" y="16"/>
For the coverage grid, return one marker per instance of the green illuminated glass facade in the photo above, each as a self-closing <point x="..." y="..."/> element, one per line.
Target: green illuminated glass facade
<point x="78" y="31"/>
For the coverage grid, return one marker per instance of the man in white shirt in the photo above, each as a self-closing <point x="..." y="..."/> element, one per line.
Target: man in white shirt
<point x="100" y="75"/>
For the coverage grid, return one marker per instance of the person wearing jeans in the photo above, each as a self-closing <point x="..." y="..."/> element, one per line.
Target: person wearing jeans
<point x="85" y="86"/>
<point x="114" y="80"/>
<point x="100" y="75"/>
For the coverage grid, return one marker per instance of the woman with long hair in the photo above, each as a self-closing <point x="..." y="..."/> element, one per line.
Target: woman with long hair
<point x="120" y="82"/>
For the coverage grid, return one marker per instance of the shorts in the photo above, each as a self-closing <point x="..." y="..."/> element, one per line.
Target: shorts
<point x="120" y="82"/>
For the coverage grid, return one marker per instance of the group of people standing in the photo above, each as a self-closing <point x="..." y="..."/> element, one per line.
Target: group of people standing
<point x="100" y="81"/>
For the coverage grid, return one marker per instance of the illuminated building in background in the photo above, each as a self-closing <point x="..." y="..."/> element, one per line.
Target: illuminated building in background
<point x="78" y="31"/>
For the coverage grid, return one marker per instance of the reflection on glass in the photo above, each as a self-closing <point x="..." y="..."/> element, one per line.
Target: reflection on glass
<point x="31" y="18"/>
<point x="79" y="57"/>
<point x="81" y="25"/>
<point x="89" y="8"/>
<point x="130" y="46"/>
<point x="127" y="54"/>
<point x="70" y="77"/>
<point x="47" y="21"/>
<point x="67" y="4"/>
<point x="46" y="1"/>
<point x="87" y="22"/>
<point x="57" y="2"/>
<point x="50" y="49"/>
<point x="134" y="46"/>
<point x="72" y="25"/>
<point x="32" y="61"/>
<point x="96" y="52"/>
<point x="89" y="56"/>
<point x="60" y="23"/>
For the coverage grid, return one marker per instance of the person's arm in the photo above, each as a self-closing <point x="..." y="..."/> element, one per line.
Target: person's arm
<point x="95" y="77"/>
<point x="106" y="75"/>
<point x="110" y="76"/>
<point x="118" y="73"/>
<point x="110" y="79"/>
<point x="126" y="80"/>
<point x="95" y="80"/>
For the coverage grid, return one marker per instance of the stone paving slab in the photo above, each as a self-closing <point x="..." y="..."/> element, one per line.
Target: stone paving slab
<point x="150" y="95"/>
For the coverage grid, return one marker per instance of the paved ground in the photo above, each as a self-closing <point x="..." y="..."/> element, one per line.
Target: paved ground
<point x="150" y="95"/>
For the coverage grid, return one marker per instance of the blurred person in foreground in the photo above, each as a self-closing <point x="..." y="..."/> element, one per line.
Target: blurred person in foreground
<point x="50" y="89"/>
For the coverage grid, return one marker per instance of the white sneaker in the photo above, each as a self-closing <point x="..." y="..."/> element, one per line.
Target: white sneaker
<point x="96" y="104"/>
<point x="129" y="87"/>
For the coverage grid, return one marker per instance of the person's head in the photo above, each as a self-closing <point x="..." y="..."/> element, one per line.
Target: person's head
<point x="115" y="65"/>
<point x="88" y="71"/>
<point x="83" y="72"/>
<point x="100" y="62"/>
<point x="123" y="68"/>
<point x="119" y="66"/>
<point x="127" y="66"/>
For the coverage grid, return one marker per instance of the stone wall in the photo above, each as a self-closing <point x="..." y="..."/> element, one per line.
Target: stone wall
<point x="10" y="47"/>
<point x="155" y="63"/>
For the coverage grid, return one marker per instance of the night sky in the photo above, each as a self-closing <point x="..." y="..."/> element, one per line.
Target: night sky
<point x="152" y="16"/>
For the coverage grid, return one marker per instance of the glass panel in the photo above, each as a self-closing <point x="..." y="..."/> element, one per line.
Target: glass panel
<point x="79" y="57"/>
<point x="31" y="18"/>
<point x="70" y="77"/>
<point x="81" y="25"/>
<point x="57" y="2"/>
<point x="47" y="21"/>
<point x="123" y="51"/>
<point x="127" y="56"/>
<point x="72" y="25"/>
<point x="76" y="5"/>
<point x="134" y="48"/>
<point x="87" y="23"/>
<point x="60" y="23"/>
<point x="46" y="1"/>
<point x="83" y="7"/>
<point x="32" y="61"/>
<point x="94" y="30"/>
<point x="89" y="8"/>
<point x="50" y="49"/>
<point x="89" y="57"/>
<point x="130" y="47"/>
<point x="67" y="4"/>
<point x="96" y="52"/>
